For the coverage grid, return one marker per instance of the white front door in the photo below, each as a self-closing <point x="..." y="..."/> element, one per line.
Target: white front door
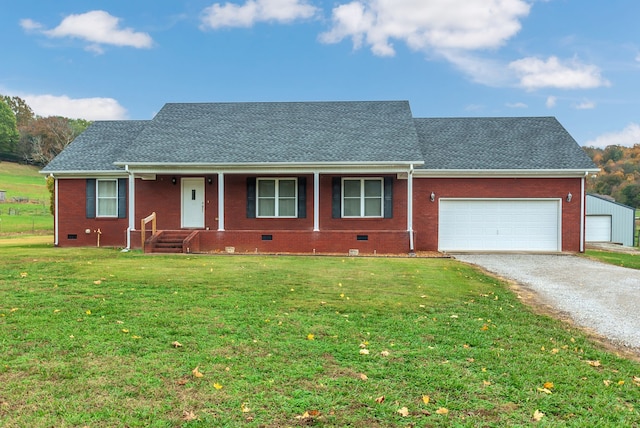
<point x="193" y="202"/>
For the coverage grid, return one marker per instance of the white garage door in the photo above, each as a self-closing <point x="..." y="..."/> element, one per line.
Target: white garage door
<point x="598" y="228"/>
<point x="499" y="225"/>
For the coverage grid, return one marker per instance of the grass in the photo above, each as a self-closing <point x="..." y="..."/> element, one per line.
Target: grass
<point x="87" y="340"/>
<point x="619" y="259"/>
<point x="24" y="183"/>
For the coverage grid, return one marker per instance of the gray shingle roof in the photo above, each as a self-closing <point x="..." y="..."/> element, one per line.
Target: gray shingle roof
<point x="318" y="132"/>
<point x="97" y="147"/>
<point x="222" y="133"/>
<point x="499" y="143"/>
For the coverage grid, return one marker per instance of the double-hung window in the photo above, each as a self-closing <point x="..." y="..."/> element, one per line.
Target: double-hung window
<point x="277" y="197"/>
<point x="107" y="198"/>
<point x="362" y="197"/>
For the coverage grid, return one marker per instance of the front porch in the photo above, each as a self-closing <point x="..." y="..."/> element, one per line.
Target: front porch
<point x="348" y="242"/>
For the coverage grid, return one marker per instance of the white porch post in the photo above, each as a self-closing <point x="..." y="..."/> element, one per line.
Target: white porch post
<point x="410" y="207"/>
<point x="316" y="201"/>
<point x="132" y="205"/>
<point x="56" y="228"/>
<point x="221" y="202"/>
<point x="582" y="213"/>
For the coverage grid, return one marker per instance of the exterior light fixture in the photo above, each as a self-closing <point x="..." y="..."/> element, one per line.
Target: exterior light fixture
<point x="432" y="197"/>
<point x="569" y="197"/>
<point x="209" y="180"/>
<point x="174" y="180"/>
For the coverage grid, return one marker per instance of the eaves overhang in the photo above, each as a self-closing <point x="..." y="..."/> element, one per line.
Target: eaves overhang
<point x="504" y="173"/>
<point x="270" y="167"/>
<point x="85" y="173"/>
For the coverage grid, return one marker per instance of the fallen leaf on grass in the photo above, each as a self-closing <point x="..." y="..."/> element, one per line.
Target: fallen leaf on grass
<point x="425" y="399"/>
<point x="124" y="330"/>
<point x="545" y="390"/>
<point x="442" y="411"/>
<point x="88" y="312"/>
<point x="363" y="376"/>
<point x="380" y="399"/>
<point x="364" y="352"/>
<point x="538" y="415"/>
<point x="384" y="353"/>
<point x="217" y="385"/>
<point x="404" y="412"/>
<point x="548" y="385"/>
<point x="636" y="380"/>
<point x="606" y="382"/>
<point x="176" y="344"/>
<point x="595" y="363"/>
<point x="23" y="274"/>
<point x="245" y="408"/>
<point x="310" y="336"/>
<point x="196" y="372"/>
<point x="189" y="416"/>
<point x="97" y="282"/>
<point x="182" y="381"/>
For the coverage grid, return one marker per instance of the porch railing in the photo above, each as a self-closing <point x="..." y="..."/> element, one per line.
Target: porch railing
<point x="143" y="227"/>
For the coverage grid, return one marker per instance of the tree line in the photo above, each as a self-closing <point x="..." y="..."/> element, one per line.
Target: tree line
<point x="619" y="174"/>
<point x="29" y="138"/>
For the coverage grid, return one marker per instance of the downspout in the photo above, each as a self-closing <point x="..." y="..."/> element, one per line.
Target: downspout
<point x="55" y="211"/>
<point x="582" y="209"/>
<point x="410" y="207"/>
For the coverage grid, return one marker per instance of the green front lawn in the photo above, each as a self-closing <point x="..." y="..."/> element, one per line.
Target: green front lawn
<point x="619" y="259"/>
<point x="95" y="337"/>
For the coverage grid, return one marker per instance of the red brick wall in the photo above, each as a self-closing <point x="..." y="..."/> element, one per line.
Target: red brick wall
<point x="164" y="198"/>
<point x="426" y="212"/>
<point x="296" y="235"/>
<point x="72" y="219"/>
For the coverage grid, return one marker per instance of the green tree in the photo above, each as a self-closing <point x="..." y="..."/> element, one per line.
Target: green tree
<point x="9" y="135"/>
<point x="630" y="195"/>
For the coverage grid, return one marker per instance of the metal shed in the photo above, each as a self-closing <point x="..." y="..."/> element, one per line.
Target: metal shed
<point x="609" y="221"/>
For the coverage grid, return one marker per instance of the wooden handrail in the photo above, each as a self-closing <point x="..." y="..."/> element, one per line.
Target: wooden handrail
<point x="143" y="227"/>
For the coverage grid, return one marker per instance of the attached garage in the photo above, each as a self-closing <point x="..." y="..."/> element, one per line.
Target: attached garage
<point x="499" y="225"/>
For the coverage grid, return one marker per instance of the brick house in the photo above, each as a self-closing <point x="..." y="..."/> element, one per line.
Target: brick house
<point x="325" y="177"/>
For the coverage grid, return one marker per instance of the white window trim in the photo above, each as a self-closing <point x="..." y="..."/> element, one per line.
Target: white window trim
<point x="276" y="196"/>
<point x="98" y="198"/>
<point x="362" y="197"/>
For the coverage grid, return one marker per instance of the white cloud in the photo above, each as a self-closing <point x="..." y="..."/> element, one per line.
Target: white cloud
<point x="535" y="73"/>
<point x="97" y="27"/>
<point x="517" y="105"/>
<point x="253" y="11"/>
<point x="628" y="137"/>
<point x="75" y="108"/>
<point x="551" y="101"/>
<point x="585" y="105"/>
<point x="30" y="25"/>
<point x="425" y="25"/>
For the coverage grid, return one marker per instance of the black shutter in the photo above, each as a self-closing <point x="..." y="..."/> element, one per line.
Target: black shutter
<point x="122" y="198"/>
<point x="91" y="198"/>
<point x="251" y="197"/>
<point x="336" y="197"/>
<point x="388" y="197"/>
<point x="302" y="197"/>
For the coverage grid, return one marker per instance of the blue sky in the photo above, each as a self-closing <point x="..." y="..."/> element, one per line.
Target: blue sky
<point x="577" y="60"/>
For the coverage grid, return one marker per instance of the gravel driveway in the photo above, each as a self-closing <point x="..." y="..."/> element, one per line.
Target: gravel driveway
<point x="601" y="297"/>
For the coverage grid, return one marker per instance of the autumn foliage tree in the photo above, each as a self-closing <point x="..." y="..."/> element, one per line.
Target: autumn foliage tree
<point x="619" y="175"/>
<point x="40" y="139"/>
